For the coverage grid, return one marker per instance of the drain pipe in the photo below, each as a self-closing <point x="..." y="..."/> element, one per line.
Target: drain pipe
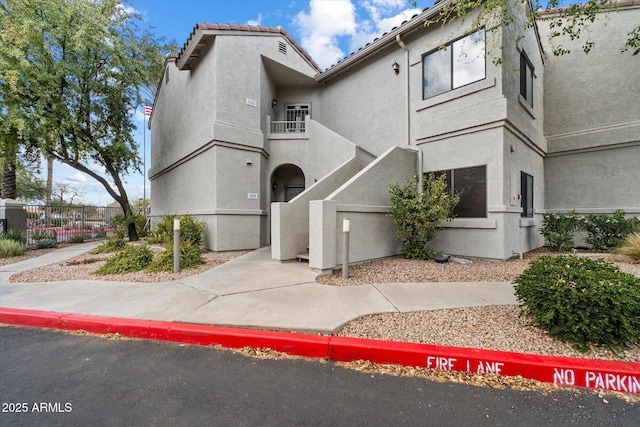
<point x="408" y="109"/>
<point x="406" y="79"/>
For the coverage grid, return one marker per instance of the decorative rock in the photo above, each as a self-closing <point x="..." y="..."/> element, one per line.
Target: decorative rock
<point x="460" y="260"/>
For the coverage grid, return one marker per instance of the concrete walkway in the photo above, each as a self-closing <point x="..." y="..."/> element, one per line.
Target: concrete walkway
<point x="251" y="291"/>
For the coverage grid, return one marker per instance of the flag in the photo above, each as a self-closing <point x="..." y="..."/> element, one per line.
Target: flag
<point x="147" y="110"/>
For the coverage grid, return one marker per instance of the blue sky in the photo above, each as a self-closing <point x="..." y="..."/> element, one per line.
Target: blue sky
<point x="329" y="30"/>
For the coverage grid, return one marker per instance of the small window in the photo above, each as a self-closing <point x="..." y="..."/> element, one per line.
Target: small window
<point x="458" y="64"/>
<point x="526" y="191"/>
<point x="470" y="185"/>
<point x="526" y="79"/>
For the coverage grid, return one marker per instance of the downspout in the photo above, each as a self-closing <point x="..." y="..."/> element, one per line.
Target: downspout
<point x="408" y="108"/>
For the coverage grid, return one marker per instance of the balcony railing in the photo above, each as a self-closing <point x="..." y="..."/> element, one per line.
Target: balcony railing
<point x="287" y="127"/>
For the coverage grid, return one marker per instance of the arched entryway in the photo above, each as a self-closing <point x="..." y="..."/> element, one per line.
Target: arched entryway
<point x="287" y="181"/>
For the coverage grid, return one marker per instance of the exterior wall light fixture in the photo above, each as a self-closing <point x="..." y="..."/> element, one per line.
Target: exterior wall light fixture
<point x="274" y="186"/>
<point x="274" y="102"/>
<point x="396" y="67"/>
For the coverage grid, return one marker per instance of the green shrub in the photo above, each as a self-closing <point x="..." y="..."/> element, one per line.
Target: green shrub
<point x="164" y="231"/>
<point x="10" y="248"/>
<point x="46" y="243"/>
<point x="111" y="244"/>
<point x="129" y="259"/>
<point x="121" y="223"/>
<point x="581" y="300"/>
<point x="79" y="238"/>
<point x="190" y="257"/>
<point x="41" y="234"/>
<point x="631" y="247"/>
<point x="19" y="236"/>
<point x="191" y="230"/>
<point x="558" y="230"/>
<point x="606" y="232"/>
<point x="417" y="215"/>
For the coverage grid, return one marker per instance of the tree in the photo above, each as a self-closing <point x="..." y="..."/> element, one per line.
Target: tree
<point x="71" y="72"/>
<point x="418" y="214"/>
<point x="28" y="187"/>
<point x="64" y="190"/>
<point x="567" y="20"/>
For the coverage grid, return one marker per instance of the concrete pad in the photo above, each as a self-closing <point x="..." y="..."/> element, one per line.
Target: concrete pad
<point x="153" y="301"/>
<point x="306" y="307"/>
<point x="57" y="296"/>
<point x="407" y="297"/>
<point x="253" y="271"/>
<point x="495" y="293"/>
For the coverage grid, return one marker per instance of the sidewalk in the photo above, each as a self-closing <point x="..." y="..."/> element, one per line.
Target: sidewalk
<point x="252" y="291"/>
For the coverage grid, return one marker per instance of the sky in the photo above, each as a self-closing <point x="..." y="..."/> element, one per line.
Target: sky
<point x="328" y="30"/>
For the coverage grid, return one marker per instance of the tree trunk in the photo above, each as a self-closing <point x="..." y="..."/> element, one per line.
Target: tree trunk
<point x="49" y="194"/>
<point x="9" y="179"/>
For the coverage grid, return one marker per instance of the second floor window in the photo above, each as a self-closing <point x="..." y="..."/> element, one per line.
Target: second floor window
<point x="526" y="79"/>
<point x="458" y="64"/>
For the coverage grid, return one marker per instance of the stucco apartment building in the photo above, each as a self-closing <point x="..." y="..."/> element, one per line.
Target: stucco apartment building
<point x="251" y="136"/>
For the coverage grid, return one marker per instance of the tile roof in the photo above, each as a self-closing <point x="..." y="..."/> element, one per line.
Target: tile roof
<point x="246" y="28"/>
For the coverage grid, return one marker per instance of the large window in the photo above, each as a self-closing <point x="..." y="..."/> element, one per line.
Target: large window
<point x="471" y="185"/>
<point x="526" y="191"/>
<point x="457" y="64"/>
<point x="526" y="79"/>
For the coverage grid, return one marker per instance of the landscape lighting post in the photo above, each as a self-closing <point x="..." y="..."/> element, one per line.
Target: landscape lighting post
<point x="176" y="245"/>
<point x="346" y="225"/>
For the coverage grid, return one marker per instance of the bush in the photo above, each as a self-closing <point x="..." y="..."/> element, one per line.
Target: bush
<point x="581" y="300"/>
<point x="164" y="231"/>
<point x="10" y="248"/>
<point x="558" y="230"/>
<point x="111" y="244"/>
<point x="417" y="215"/>
<point x="129" y="259"/>
<point x="41" y="234"/>
<point x="606" y="232"/>
<point x="77" y="239"/>
<point x="46" y="243"/>
<point x="15" y="235"/>
<point x="191" y="230"/>
<point x="121" y="223"/>
<point x="190" y="257"/>
<point x="631" y="247"/>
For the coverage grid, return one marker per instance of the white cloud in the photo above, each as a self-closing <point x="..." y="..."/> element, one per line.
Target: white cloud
<point x="321" y="27"/>
<point x="328" y="25"/>
<point x="77" y="178"/>
<point x="255" y="21"/>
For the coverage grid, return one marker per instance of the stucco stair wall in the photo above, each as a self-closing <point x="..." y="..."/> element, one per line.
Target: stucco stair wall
<point x="290" y="220"/>
<point x="364" y="199"/>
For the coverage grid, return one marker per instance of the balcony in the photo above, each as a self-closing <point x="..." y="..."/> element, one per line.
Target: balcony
<point x="287" y="127"/>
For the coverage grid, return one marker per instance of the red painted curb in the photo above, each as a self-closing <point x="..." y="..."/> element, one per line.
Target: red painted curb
<point x="589" y="373"/>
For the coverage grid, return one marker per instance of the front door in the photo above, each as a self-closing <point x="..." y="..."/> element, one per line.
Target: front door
<point x="295" y="114"/>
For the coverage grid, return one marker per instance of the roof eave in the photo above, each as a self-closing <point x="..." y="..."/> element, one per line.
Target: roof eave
<point x="381" y="42"/>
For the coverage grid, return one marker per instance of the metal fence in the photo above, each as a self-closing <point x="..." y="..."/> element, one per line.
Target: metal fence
<point x="67" y="223"/>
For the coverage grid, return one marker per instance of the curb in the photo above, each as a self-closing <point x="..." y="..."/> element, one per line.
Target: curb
<point x="563" y="371"/>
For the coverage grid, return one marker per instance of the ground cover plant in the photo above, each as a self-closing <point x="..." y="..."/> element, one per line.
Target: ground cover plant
<point x="129" y="259"/>
<point x="10" y="248"/>
<point x="190" y="257"/>
<point x="581" y="300"/>
<point x="631" y="247"/>
<point x="111" y="244"/>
